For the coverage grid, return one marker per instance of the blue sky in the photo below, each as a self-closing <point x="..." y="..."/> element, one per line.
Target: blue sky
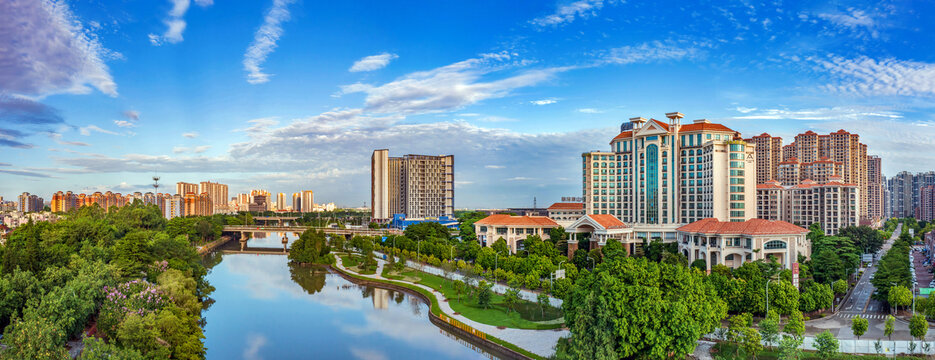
<point x="288" y="95"/>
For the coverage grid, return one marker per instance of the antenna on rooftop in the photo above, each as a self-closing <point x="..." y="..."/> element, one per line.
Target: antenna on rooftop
<point x="156" y="182"/>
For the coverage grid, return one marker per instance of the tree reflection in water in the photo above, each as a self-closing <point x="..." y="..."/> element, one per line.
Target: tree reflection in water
<point x="310" y="277"/>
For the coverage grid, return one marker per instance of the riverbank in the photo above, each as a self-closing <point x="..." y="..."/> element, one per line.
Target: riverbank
<point x="530" y="343"/>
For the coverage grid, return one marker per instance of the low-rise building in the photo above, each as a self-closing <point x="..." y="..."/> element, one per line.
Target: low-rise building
<point x="565" y="213"/>
<point x="599" y="229"/>
<point x="734" y="243"/>
<point x="513" y="229"/>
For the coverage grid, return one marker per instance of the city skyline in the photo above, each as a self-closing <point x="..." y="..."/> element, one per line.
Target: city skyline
<point x="299" y="97"/>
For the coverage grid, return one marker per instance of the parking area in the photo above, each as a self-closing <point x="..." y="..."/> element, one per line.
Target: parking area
<point x="921" y="266"/>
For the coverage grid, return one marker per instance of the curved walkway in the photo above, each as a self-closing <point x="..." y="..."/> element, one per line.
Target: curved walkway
<point x="539" y="342"/>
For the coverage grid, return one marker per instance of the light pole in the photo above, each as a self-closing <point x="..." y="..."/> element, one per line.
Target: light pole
<point x="553" y="275"/>
<point x="767" y="298"/>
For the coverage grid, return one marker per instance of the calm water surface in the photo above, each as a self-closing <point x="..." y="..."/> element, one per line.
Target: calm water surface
<point x="266" y="309"/>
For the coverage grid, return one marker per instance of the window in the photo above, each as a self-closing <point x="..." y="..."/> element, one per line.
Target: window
<point x="775" y="244"/>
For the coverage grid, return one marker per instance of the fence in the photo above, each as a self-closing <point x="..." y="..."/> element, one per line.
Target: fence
<point x="462" y="326"/>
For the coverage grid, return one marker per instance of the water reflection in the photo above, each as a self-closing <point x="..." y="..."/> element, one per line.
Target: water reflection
<point x="267" y="309"/>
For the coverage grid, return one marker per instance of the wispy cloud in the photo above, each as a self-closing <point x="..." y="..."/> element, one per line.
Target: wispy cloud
<point x="494" y="166"/>
<point x="175" y="22"/>
<point x="132" y="115"/>
<point x="864" y="76"/>
<point x="373" y="62"/>
<point x="255" y="342"/>
<point x="46" y="50"/>
<point x="24" y="111"/>
<point x="567" y="13"/>
<point x="451" y="87"/>
<point x="124" y="123"/>
<point x="854" y="21"/>
<point x="543" y="102"/>
<point x="11" y="138"/>
<point x="590" y="111"/>
<point x="520" y="178"/>
<point x="649" y="52"/>
<point x="368" y="354"/>
<point x="87" y="130"/>
<point x="264" y="41"/>
<point x="818" y="114"/>
<point x="195" y="150"/>
<point x="58" y="139"/>
<point x="25" y="173"/>
<point x="190" y="135"/>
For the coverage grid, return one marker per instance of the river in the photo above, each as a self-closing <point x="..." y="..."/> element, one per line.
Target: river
<point x="265" y="308"/>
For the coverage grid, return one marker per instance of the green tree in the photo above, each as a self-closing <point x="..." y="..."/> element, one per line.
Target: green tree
<point x="789" y="348"/>
<point x="543" y="301"/>
<point x="500" y="247"/>
<point x="839" y="287"/>
<point x="631" y="306"/>
<point x="511" y="298"/>
<point x="97" y="349"/>
<point x="34" y="337"/>
<point x="918" y="327"/>
<point x="826" y="345"/>
<point x="889" y="326"/>
<point x="751" y="342"/>
<point x="899" y="296"/>
<point x="484" y="294"/>
<point x="859" y="326"/>
<point x="769" y="328"/>
<point x="795" y="326"/>
<point x="311" y="247"/>
<point x="458" y="287"/>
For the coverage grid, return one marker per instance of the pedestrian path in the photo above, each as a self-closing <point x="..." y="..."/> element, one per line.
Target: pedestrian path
<point x="539" y="342"/>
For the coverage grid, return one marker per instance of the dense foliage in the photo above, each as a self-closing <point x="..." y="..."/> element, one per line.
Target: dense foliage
<point x="311" y="248"/>
<point x="121" y="270"/>
<point x="893" y="268"/>
<point x="632" y="306"/>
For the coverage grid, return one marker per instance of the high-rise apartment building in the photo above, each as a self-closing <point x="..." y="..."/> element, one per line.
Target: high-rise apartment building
<point x="875" y="186"/>
<point x="768" y="156"/>
<point x="816" y="157"/>
<point x="832" y="204"/>
<point x="416" y="185"/>
<point x="297" y="202"/>
<point x="174" y="207"/>
<point x="30" y="203"/>
<point x="280" y="202"/>
<point x="308" y="201"/>
<point x="218" y="194"/>
<point x="660" y="175"/>
<point x="904" y="192"/>
<point x="182" y="188"/>
<point x="927" y="203"/>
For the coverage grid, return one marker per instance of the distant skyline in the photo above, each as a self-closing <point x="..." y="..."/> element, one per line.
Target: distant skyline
<point x="290" y="95"/>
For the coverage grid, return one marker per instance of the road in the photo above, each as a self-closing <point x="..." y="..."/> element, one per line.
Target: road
<point x="860" y="301"/>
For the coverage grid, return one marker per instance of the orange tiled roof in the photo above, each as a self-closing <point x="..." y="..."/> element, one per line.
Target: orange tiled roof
<point x="608" y="221"/>
<point x="769" y="186"/>
<point x="686" y="127"/>
<point x="749" y="227"/>
<point x="507" y="219"/>
<point x="567" y="206"/>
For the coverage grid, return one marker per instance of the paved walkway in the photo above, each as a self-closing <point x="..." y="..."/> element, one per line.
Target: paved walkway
<point x="703" y="350"/>
<point x="539" y="342"/>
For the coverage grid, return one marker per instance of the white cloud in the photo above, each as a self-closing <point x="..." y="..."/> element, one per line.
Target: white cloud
<point x="494" y="118"/>
<point x="190" y="135"/>
<point x="368" y="354"/>
<point x="373" y="62"/>
<point x="87" y="130"/>
<point x="494" y="166"/>
<point x="46" y="51"/>
<point x="264" y="41"/>
<point x="857" y="22"/>
<point x="569" y="12"/>
<point x="450" y="87"/>
<point x="124" y="123"/>
<point x="58" y="139"/>
<point x="132" y="115"/>
<point x="195" y="150"/>
<point x="543" y="102"/>
<point x="745" y="109"/>
<point x="590" y="111"/>
<point x="520" y="178"/>
<point x="175" y="22"/>
<point x="864" y="76"/>
<point x="255" y="342"/>
<point x="820" y="114"/>
<point x="649" y="52"/>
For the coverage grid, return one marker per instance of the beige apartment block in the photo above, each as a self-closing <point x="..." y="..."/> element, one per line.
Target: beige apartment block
<point x="659" y="175"/>
<point x="833" y="204"/>
<point x="182" y="188"/>
<point x="768" y="156"/>
<point x="218" y="194"/>
<point x="419" y="186"/>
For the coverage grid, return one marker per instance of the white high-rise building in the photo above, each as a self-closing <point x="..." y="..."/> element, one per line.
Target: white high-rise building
<point x="418" y="186"/>
<point x="658" y="176"/>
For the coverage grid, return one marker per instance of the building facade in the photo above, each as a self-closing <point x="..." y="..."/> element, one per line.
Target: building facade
<point x="565" y="213"/>
<point x="927" y="203"/>
<point x="660" y="175"/>
<point x="308" y="201"/>
<point x="182" y="188"/>
<point x="768" y="156"/>
<point x="875" y="188"/>
<point x="420" y="186"/>
<point x="27" y="202"/>
<point x="734" y="243"/>
<point x="218" y="194"/>
<point x="903" y="190"/>
<point x="833" y="204"/>
<point x="513" y="229"/>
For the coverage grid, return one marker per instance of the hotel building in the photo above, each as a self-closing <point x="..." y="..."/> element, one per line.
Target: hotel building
<point x="420" y="186"/>
<point x="513" y="229"/>
<point x="833" y="204"/>
<point x="658" y="176"/>
<point x="565" y="213"/>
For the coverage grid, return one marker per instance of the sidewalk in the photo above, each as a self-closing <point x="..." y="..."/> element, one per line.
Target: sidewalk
<point x="539" y="342"/>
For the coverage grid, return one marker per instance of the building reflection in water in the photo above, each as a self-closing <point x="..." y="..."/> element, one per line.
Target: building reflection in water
<point x="381" y="298"/>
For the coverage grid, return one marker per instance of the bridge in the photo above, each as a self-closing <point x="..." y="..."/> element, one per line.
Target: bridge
<point x="244" y="229"/>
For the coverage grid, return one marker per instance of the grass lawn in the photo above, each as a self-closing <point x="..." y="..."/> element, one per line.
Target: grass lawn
<point x="353" y="262"/>
<point x="726" y="351"/>
<point x="526" y="315"/>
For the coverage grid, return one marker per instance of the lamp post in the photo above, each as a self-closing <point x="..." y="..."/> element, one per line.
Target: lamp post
<point x="553" y="275"/>
<point x="767" y="298"/>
